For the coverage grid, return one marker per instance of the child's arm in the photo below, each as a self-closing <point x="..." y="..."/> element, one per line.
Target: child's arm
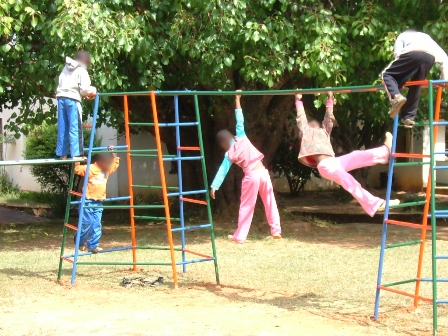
<point x="329" y="116"/>
<point x="302" y="121"/>
<point x="80" y="170"/>
<point x="240" y="132"/>
<point x="86" y="90"/>
<point x="220" y="176"/>
<point x="116" y="162"/>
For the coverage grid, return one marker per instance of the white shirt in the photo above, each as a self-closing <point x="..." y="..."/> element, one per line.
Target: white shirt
<point x="415" y="41"/>
<point x="74" y="81"/>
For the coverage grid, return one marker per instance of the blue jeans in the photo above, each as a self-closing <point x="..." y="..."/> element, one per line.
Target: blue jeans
<point x="91" y="225"/>
<point x="69" y="128"/>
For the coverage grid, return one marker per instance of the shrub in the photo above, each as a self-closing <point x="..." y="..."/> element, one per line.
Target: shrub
<point x="286" y="164"/>
<point x="41" y="143"/>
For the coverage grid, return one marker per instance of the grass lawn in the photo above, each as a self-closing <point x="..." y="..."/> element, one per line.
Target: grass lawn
<point x="319" y="280"/>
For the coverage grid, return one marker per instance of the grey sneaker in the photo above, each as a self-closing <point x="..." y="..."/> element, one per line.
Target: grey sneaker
<point x="408" y="123"/>
<point x="392" y="202"/>
<point x="396" y="105"/>
<point x="96" y="250"/>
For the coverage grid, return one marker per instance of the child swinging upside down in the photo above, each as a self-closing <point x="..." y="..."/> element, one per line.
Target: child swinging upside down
<point x="316" y="152"/>
<point x="239" y="150"/>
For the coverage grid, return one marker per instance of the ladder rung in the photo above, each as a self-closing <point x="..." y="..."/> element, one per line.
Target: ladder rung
<point x="157" y="217"/>
<point x="417" y="226"/>
<point x="196" y="253"/>
<point x="87" y="126"/>
<point x="440" y="123"/>
<point x="158" y="206"/>
<point x="187" y="193"/>
<point x="399" y="282"/>
<point x="440" y="167"/>
<point x="164" y="124"/>
<point x="111" y="199"/>
<point x="67" y="259"/>
<point x="412" y="242"/>
<point x="441" y="153"/>
<point x="105" y="148"/>
<point x="191" y="200"/>
<point x="75" y="193"/>
<point x="409" y="204"/>
<point x="445" y="215"/>
<point x="188" y="148"/>
<point x="182" y="158"/>
<point x="442" y="256"/>
<point x="71" y="226"/>
<point x="152" y="187"/>
<point x="410" y="155"/>
<point x="442" y="301"/>
<point x="126" y="151"/>
<point x="165" y="156"/>
<point x="438" y="279"/>
<point x="194" y="261"/>
<point x="396" y="291"/>
<point x="410" y="164"/>
<point x="187" y="228"/>
<point x="103" y="251"/>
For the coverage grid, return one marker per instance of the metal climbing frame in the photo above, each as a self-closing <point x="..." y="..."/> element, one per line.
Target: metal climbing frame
<point x="183" y="195"/>
<point x="429" y="211"/>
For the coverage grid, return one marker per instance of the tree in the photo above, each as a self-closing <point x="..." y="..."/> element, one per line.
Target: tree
<point x="217" y="44"/>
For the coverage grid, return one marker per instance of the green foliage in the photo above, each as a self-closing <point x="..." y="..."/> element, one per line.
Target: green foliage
<point x="286" y="164"/>
<point x="6" y="185"/>
<point x="41" y="143"/>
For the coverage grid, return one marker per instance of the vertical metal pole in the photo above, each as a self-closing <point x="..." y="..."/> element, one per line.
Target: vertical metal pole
<point x="386" y="216"/>
<point x="164" y="189"/>
<point x="207" y="194"/>
<point x="429" y="192"/>
<point x="84" y="187"/>
<point x="179" y="178"/>
<point x="130" y="183"/>
<point x="66" y="219"/>
<point x="433" y="209"/>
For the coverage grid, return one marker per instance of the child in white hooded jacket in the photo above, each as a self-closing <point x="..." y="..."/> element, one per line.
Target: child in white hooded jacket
<point x="74" y="84"/>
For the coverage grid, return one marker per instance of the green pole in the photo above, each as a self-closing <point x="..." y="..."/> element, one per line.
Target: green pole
<point x="66" y="218"/>
<point x="207" y="194"/>
<point x="433" y="209"/>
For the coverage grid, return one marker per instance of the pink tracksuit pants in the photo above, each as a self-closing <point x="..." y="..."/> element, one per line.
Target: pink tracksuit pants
<point x="336" y="168"/>
<point x="257" y="181"/>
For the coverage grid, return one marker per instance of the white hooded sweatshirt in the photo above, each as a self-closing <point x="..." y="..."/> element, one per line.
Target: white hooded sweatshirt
<point x="415" y="41"/>
<point x="74" y="81"/>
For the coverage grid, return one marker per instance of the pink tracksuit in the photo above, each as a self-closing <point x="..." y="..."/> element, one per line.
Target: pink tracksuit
<point x="255" y="182"/>
<point x="336" y="168"/>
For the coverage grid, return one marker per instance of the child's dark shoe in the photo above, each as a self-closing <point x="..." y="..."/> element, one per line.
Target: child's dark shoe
<point x="396" y="105"/>
<point x="158" y="282"/>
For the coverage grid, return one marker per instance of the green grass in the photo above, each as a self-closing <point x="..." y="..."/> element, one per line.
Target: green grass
<point x="326" y="269"/>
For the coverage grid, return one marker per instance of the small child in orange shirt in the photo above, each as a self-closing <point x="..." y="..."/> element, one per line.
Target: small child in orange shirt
<point x="101" y="167"/>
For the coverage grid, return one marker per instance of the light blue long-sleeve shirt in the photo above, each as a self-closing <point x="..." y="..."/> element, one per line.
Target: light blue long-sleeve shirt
<point x="226" y="163"/>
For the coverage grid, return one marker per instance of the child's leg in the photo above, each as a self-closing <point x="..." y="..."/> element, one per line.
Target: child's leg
<point x="86" y="226"/>
<point x="96" y="230"/>
<point x="333" y="170"/>
<point x="63" y="129"/>
<point x="249" y="193"/>
<point x="365" y="158"/>
<point x="425" y="62"/>
<point x="270" y="205"/>
<point x="75" y="127"/>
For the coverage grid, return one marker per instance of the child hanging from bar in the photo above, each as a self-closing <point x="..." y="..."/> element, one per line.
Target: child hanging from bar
<point x="100" y="169"/>
<point x="239" y="150"/>
<point x="74" y="85"/>
<point x="316" y="152"/>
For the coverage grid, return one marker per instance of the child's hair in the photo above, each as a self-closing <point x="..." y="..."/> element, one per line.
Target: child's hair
<point x="102" y="157"/>
<point x="223" y="135"/>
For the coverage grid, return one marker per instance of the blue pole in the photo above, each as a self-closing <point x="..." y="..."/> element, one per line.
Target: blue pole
<point x="179" y="178"/>
<point x="84" y="188"/>
<point x="386" y="216"/>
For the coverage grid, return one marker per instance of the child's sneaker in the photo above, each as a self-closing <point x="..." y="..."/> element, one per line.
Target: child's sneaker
<point x="96" y="250"/>
<point x="388" y="141"/>
<point x="277" y="236"/>
<point x="232" y="239"/>
<point x="408" y="123"/>
<point x="396" y="105"/>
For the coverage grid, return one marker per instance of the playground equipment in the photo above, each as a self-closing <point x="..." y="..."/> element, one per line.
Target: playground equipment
<point x="429" y="211"/>
<point x="183" y="195"/>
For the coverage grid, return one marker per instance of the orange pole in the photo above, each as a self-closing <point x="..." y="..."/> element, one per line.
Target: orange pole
<point x="197" y="253"/>
<point x="189" y="148"/>
<point x="410" y="155"/>
<point x="131" y="190"/>
<point x="417" y="226"/>
<point x="164" y="188"/>
<point x="191" y="200"/>
<point x="426" y="208"/>
<point x="393" y="290"/>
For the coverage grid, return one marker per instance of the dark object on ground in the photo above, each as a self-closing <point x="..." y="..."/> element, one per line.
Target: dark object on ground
<point x="141" y="282"/>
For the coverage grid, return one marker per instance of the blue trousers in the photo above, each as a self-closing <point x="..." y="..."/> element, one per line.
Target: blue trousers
<point x="91" y="225"/>
<point x="69" y="129"/>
